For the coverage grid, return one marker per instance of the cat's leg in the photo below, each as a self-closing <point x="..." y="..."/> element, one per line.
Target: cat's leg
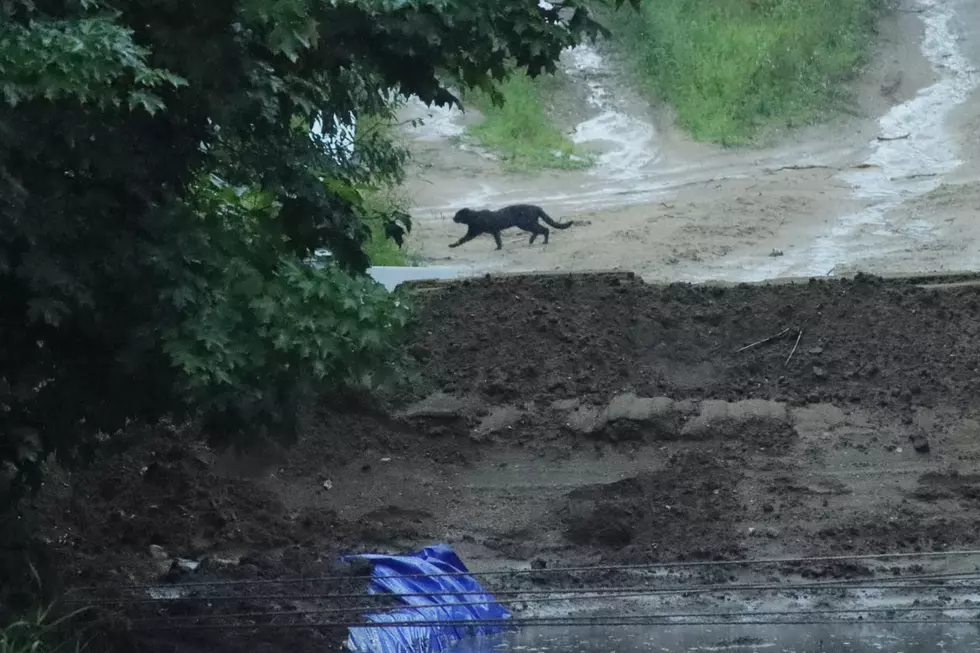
<point x="500" y="243"/>
<point x="470" y="235"/>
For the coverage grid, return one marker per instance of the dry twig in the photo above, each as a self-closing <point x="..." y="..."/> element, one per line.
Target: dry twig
<point x="763" y="341"/>
<point x="798" y="337"/>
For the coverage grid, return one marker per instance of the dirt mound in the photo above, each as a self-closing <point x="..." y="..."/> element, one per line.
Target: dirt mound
<point x="935" y="486"/>
<point x="248" y="598"/>
<point x="684" y="512"/>
<point x="905" y="532"/>
<point x="162" y="492"/>
<point x="865" y="341"/>
<point x="489" y="465"/>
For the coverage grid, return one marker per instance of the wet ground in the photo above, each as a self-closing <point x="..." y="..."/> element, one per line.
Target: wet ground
<point x="891" y="190"/>
<point x="870" y="638"/>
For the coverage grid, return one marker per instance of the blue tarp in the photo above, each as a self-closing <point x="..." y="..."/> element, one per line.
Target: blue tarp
<point x="431" y="604"/>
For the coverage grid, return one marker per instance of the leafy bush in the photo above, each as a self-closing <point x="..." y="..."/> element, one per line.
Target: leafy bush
<point x="263" y="330"/>
<point x="163" y="195"/>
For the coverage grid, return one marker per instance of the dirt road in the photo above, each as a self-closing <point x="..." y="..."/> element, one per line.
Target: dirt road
<point x="893" y="189"/>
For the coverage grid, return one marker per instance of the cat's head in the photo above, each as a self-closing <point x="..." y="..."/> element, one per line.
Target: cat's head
<point x="463" y="216"/>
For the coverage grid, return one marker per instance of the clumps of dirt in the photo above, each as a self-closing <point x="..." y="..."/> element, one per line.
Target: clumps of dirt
<point x="248" y="597"/>
<point x="394" y="523"/>
<point x="866" y="340"/>
<point x="162" y="493"/>
<point x="832" y="569"/>
<point x="906" y="532"/>
<point x="934" y="486"/>
<point x="752" y="423"/>
<point x="683" y="512"/>
<point x="553" y="337"/>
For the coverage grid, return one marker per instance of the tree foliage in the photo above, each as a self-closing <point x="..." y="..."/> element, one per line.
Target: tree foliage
<point x="163" y="194"/>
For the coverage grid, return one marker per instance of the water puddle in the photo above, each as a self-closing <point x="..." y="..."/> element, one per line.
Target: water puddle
<point x="630" y="143"/>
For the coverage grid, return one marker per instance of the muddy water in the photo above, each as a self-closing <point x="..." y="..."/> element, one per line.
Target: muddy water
<point x="837" y="638"/>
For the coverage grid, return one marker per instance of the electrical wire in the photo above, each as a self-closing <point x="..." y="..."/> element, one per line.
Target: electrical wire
<point x="569" y="570"/>
<point x="560" y="622"/>
<point x="896" y="583"/>
<point x="688" y="615"/>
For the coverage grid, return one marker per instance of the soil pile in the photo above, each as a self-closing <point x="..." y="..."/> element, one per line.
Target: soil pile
<point x="863" y="341"/>
<point x="685" y="512"/>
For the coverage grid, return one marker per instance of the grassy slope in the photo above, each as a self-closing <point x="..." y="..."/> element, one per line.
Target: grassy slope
<point x="520" y="130"/>
<point x="731" y="68"/>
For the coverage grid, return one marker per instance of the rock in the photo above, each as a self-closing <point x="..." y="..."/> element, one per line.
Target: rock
<point x="642" y="417"/>
<point x="816" y="351"/>
<point x="566" y="404"/>
<point x="327" y="484"/>
<point x="686" y="407"/>
<point x="499" y="418"/>
<point x="157" y="552"/>
<point x="814" y="419"/>
<point x="638" y="409"/>
<point x="765" y="422"/>
<point x="586" y="420"/>
<point x="439" y="405"/>
<point x="538" y="563"/>
<point x="920" y="443"/>
<point x="183" y="564"/>
<point x="819" y="372"/>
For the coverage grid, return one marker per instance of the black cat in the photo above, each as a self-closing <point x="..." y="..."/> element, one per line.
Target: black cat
<point x="522" y="216"/>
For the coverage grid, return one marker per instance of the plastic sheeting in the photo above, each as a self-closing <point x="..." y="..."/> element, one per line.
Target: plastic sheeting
<point x="431" y="604"/>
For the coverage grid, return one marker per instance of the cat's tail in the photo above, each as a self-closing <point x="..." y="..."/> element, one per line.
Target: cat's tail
<point x="551" y="223"/>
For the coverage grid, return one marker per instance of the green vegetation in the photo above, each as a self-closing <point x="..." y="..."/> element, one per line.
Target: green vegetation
<point x="732" y="68"/>
<point x="519" y="128"/>
<point x="164" y="200"/>
<point x="381" y="250"/>
<point x="39" y="632"/>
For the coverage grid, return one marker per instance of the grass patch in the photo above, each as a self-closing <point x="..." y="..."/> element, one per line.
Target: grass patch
<point x="733" y="68"/>
<point x="40" y="632"/>
<point x="520" y="130"/>
<point x="380" y="249"/>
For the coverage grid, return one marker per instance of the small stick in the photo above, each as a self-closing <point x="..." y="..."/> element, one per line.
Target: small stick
<point x="798" y="336"/>
<point x="764" y="340"/>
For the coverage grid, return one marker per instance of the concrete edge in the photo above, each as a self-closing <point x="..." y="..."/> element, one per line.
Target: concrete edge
<point x="936" y="280"/>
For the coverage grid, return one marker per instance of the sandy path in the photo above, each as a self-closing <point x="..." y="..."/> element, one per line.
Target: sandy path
<point x="673" y="210"/>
